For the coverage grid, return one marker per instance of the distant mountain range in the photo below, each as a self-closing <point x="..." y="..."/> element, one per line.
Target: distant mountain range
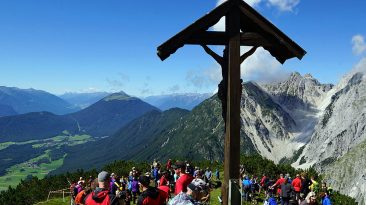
<point x="7" y="110"/>
<point x="103" y="118"/>
<point x="106" y="116"/>
<point x="178" y="100"/>
<point x="19" y="101"/>
<point x="298" y="121"/>
<point x="83" y="100"/>
<point x="15" y="101"/>
<point x="28" y="136"/>
<point x="163" y="102"/>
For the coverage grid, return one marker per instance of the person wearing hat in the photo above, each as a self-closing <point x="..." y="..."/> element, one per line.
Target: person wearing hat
<point x="184" y="178"/>
<point x="150" y="195"/>
<point x="101" y="194"/>
<point x="191" y="197"/>
<point x="310" y="199"/>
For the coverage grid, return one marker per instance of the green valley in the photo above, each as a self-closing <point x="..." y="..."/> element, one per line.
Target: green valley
<point x="49" y="156"/>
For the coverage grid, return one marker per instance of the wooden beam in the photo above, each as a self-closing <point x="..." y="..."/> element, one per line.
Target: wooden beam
<point x="268" y="27"/>
<point x="221" y="38"/>
<point x="201" y="25"/>
<point x="232" y="137"/>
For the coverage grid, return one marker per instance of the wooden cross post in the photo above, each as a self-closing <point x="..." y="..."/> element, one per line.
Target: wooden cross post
<point x="232" y="135"/>
<point x="243" y="27"/>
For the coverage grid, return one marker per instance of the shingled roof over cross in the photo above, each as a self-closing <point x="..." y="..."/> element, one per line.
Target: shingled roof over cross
<point x="255" y="31"/>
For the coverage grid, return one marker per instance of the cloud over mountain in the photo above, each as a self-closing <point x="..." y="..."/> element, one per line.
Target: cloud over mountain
<point x="358" y="44"/>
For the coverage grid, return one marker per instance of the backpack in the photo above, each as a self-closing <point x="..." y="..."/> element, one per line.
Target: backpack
<point x="106" y="201"/>
<point x="146" y="200"/>
<point x="76" y="191"/>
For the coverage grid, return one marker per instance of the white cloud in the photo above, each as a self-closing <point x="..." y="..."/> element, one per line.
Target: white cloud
<point x="281" y="5"/>
<point x="118" y="82"/>
<point x="262" y="67"/>
<point x="90" y="90"/>
<point x="358" y="44"/>
<point x="284" y="5"/>
<point x="146" y="88"/>
<point x="205" y="78"/>
<point x="360" y="66"/>
<point x="174" y="89"/>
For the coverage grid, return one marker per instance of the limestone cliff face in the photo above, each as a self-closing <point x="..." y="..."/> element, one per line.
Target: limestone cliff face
<point x="348" y="173"/>
<point x="342" y="126"/>
<point x="328" y="123"/>
<point x="265" y="122"/>
<point x="298" y="98"/>
<point x="339" y="133"/>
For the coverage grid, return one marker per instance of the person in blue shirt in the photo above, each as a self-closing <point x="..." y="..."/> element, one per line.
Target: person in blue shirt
<point x="246" y="187"/>
<point x="326" y="198"/>
<point x="217" y="173"/>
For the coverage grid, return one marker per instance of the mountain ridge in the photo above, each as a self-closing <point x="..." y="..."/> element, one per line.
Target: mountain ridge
<point x="32" y="100"/>
<point x="298" y="120"/>
<point x="181" y="100"/>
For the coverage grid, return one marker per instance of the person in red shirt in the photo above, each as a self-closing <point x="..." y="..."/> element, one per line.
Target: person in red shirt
<point x="184" y="178"/>
<point x="278" y="184"/>
<point x="169" y="164"/>
<point x="164" y="179"/>
<point x="79" y="199"/>
<point x="151" y="195"/>
<point x="296" y="183"/>
<point x="263" y="183"/>
<point x="101" y="194"/>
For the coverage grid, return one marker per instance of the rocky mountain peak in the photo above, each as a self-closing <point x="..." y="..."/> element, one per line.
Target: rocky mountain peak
<point x="308" y="76"/>
<point x="357" y="78"/>
<point x="117" y="96"/>
<point x="305" y="90"/>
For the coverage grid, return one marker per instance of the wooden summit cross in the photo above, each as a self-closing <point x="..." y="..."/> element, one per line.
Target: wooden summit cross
<point x="243" y="27"/>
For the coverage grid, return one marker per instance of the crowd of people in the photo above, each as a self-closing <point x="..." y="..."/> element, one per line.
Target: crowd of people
<point x="182" y="184"/>
<point x="287" y="191"/>
<point x="172" y="184"/>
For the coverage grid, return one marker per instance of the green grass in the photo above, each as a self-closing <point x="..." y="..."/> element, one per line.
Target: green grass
<point x="21" y="171"/>
<point x="5" y="145"/>
<point x="56" y="201"/>
<point x="79" y="139"/>
<point x="117" y="97"/>
<point x="60" y="140"/>
<point x="214" y="196"/>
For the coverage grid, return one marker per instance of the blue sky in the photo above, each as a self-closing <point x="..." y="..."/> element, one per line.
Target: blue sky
<point x="93" y="45"/>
